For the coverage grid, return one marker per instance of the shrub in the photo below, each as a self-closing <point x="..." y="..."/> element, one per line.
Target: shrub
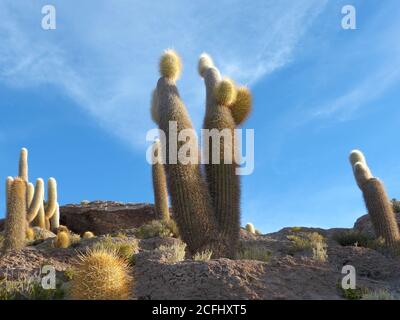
<point x="253" y="253"/>
<point x="203" y="256"/>
<point x="101" y="275"/>
<point x="313" y="242"/>
<point x="155" y="228"/>
<point x="173" y="253"/>
<point x="396" y="205"/>
<point x="353" y="238"/>
<point x="28" y="288"/>
<point x="295" y="229"/>
<point x="123" y="249"/>
<point x="354" y="294"/>
<point x="381" y="294"/>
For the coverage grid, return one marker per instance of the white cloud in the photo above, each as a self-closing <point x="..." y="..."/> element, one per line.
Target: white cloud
<point x="104" y="55"/>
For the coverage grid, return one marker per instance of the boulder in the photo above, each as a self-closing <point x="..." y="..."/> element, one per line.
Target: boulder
<point x="103" y="217"/>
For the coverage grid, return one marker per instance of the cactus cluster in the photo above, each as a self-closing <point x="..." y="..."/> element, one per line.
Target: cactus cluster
<point x="206" y="207"/>
<point x="378" y="204"/>
<point x="26" y="207"/>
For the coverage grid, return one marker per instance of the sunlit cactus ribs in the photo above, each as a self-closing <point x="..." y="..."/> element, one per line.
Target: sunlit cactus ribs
<point x="207" y="209"/>
<point x="221" y="147"/>
<point x="379" y="206"/>
<point x="188" y="191"/>
<point x="159" y="184"/>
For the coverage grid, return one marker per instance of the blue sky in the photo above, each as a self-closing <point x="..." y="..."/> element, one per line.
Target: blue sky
<point x="78" y="97"/>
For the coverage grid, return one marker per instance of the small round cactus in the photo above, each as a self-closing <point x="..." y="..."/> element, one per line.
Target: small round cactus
<point x="62" y="240"/>
<point x="170" y="65"/>
<point x="250" y="228"/>
<point x="225" y="92"/>
<point x="101" y="275"/>
<point x="30" y="234"/>
<point x="88" y="235"/>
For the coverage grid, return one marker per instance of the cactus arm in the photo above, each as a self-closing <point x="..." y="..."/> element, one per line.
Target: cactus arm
<point x="9" y="183"/>
<point x="23" y="164"/>
<point x="223" y="183"/>
<point x="362" y="174"/>
<point x="159" y="184"/>
<point x="30" y="192"/>
<point x="37" y="201"/>
<point x="52" y="198"/>
<point x="55" y="219"/>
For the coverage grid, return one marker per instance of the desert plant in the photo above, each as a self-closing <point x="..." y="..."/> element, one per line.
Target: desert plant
<point x="203" y="256"/>
<point x="124" y="249"/>
<point x="379" y="207"/>
<point x="381" y="212"/>
<point x="172" y="253"/>
<point x="250" y="228"/>
<point x="380" y="294"/>
<point x="189" y="196"/>
<point x="88" y="235"/>
<point x="159" y="184"/>
<point x="221" y="166"/>
<point x="353" y="238"/>
<point x="155" y="228"/>
<point x="396" y="205"/>
<point x="100" y="275"/>
<point x="62" y="240"/>
<point x="309" y="241"/>
<point x="28" y="288"/>
<point x="30" y="234"/>
<point x="253" y="252"/>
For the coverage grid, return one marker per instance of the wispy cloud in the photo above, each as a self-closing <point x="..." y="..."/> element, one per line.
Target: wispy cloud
<point x="104" y="57"/>
<point x="371" y="88"/>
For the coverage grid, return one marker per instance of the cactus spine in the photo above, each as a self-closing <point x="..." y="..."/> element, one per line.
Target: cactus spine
<point x="378" y="204"/>
<point x="159" y="184"/>
<point x="15" y="224"/>
<point x="190" y="198"/>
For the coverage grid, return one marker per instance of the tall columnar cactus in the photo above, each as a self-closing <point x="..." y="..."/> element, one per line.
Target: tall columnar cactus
<point x="378" y="204"/>
<point x="15" y="224"/>
<point x="226" y="108"/>
<point x="159" y="184"/>
<point x="381" y="212"/>
<point x="188" y="191"/>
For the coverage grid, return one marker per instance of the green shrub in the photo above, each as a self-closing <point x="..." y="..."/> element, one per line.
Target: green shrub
<point x="203" y="256"/>
<point x="28" y="289"/>
<point x="381" y="294"/>
<point x="309" y="241"/>
<point x="354" y="294"/>
<point x="123" y="249"/>
<point x="353" y="238"/>
<point x="396" y="205"/>
<point x="255" y="252"/>
<point x="156" y="228"/>
<point x="173" y="253"/>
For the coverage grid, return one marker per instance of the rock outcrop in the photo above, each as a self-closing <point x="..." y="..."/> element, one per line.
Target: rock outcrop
<point x="102" y="217"/>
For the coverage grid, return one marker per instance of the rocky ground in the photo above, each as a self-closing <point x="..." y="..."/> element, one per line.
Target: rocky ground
<point x="289" y="268"/>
